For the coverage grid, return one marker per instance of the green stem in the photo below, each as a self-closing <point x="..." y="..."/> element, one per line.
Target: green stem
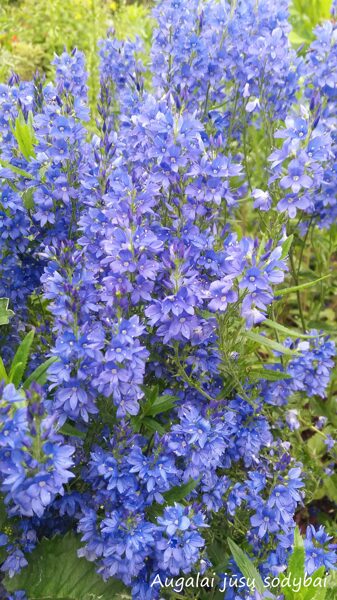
<point x="182" y="373"/>
<point x="298" y="294"/>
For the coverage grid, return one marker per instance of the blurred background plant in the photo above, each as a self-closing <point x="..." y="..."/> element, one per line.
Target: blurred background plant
<point x="305" y="15"/>
<point x="33" y="31"/>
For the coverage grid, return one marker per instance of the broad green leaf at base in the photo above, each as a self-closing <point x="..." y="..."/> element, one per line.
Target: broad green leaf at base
<point x="55" y="572"/>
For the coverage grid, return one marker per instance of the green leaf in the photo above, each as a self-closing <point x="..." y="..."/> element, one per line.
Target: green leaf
<point x="286" y="330"/>
<point x="153" y="425"/>
<point x="268" y="375"/>
<point x="154" y="510"/>
<point x="175" y="494"/>
<point x="302" y="286"/>
<point x="69" y="429"/>
<point x="54" y="571"/>
<point x="297" y="40"/>
<point x="15" y="373"/>
<point x="160" y="405"/>
<point x="296" y="564"/>
<point x="287" y="245"/>
<point x="316" y="590"/>
<point x="28" y="199"/>
<point x="218" y="556"/>
<point x="5" y="312"/>
<point x="316" y="443"/>
<point x="331" y="586"/>
<point x="330" y="486"/>
<point x="318" y="594"/>
<point x="3" y="373"/>
<point x="179" y="492"/>
<point x="246" y="566"/>
<point x="16" y="170"/>
<point x="315" y="593"/>
<point x="40" y="373"/>
<point x="151" y="393"/>
<point x="268" y="343"/>
<point x="325" y="408"/>
<point x="153" y="406"/>
<point x="24" y="134"/>
<point x="21" y="358"/>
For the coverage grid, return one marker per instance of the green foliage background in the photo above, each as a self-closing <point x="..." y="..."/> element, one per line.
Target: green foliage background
<point x="32" y="31"/>
<point x="305" y="15"/>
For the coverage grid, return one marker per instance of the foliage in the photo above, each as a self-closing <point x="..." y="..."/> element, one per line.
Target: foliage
<point x="294" y="583"/>
<point x="55" y="571"/>
<point x="305" y="15"/>
<point x="5" y="312"/>
<point x="33" y="31"/>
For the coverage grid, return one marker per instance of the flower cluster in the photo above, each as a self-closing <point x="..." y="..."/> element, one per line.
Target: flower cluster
<point x="35" y="461"/>
<point x="309" y="372"/>
<point x="319" y="550"/>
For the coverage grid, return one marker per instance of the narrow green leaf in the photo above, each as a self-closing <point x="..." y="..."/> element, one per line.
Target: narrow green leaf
<point x="40" y="373"/>
<point x="330" y="486"/>
<point x="3" y="373"/>
<point x="69" y="429"/>
<point x="287" y="245"/>
<point x="246" y="566"/>
<point x="5" y="312"/>
<point x="268" y="375"/>
<point x="314" y="592"/>
<point x="179" y="492"/>
<point x="161" y="404"/>
<point x="24" y="134"/>
<point x="28" y="199"/>
<point x="21" y="357"/>
<point x="154" y="510"/>
<point x="16" y="170"/>
<point x="175" y="494"/>
<point x="289" y="332"/>
<point x="153" y="425"/>
<point x="331" y="586"/>
<point x="136" y="423"/>
<point x="268" y="343"/>
<point x="15" y="373"/>
<point x="287" y="587"/>
<point x="303" y="286"/>
<point x="297" y="558"/>
<point x="319" y="594"/>
<point x="151" y="393"/>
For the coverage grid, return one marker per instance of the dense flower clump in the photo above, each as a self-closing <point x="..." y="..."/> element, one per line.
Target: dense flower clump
<point x="151" y="251"/>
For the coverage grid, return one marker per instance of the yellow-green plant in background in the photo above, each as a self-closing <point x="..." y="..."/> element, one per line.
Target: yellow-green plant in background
<point x="305" y="15"/>
<point x="33" y="31"/>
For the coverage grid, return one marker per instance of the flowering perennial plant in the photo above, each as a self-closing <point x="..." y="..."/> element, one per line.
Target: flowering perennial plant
<point x="160" y="258"/>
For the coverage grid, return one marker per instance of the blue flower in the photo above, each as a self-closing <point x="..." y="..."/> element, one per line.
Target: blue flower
<point x="265" y="521"/>
<point x="222" y="295"/>
<point x="319" y="552"/>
